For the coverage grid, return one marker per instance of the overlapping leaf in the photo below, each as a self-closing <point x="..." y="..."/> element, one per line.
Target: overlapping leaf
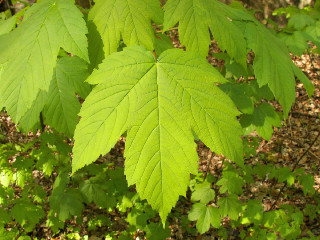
<point x="129" y="20"/>
<point x="60" y="105"/>
<point x="195" y="17"/>
<point x="157" y="102"/>
<point x="262" y="120"/>
<point x="29" y="52"/>
<point x="235" y="30"/>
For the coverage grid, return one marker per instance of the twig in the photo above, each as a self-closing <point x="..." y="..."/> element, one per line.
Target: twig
<point x="301" y="145"/>
<point x="314" y="68"/>
<point x="305" y="114"/>
<point x="290" y="125"/>
<point x="294" y="167"/>
<point x="170" y="29"/>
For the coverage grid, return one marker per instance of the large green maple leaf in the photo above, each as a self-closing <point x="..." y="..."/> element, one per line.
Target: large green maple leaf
<point x="29" y="52"/>
<point x="159" y="103"/>
<point x="195" y="17"/>
<point x="126" y="19"/>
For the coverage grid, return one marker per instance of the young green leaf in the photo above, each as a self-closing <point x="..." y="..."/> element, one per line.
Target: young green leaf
<point x="66" y="203"/>
<point x="129" y="20"/>
<point x="230" y="206"/>
<point x="203" y="193"/>
<point x="204" y="216"/>
<point x="27" y="214"/>
<point x="299" y="21"/>
<point x="157" y="232"/>
<point x="253" y="213"/>
<point x="262" y="120"/>
<point x="93" y="192"/>
<point x="158" y="102"/>
<point x="29" y="52"/>
<point x="231" y="182"/>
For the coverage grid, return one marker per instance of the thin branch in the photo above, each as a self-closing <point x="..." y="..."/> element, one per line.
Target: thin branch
<point x="294" y="167"/>
<point x="312" y="64"/>
<point x="305" y="114"/>
<point x="170" y="29"/>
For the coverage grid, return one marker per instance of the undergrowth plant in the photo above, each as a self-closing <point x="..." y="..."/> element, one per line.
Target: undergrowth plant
<point x="115" y="67"/>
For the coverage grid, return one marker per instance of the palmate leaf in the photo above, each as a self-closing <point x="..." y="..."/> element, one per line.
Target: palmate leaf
<point x="157" y="102"/>
<point x="29" y="52"/>
<point x="205" y="216"/>
<point x="129" y="20"/>
<point x="195" y="17"/>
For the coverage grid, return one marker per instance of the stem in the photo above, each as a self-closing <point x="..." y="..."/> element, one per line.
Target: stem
<point x="41" y="122"/>
<point x="294" y="167"/>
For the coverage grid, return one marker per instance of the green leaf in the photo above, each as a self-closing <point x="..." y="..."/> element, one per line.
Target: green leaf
<point x="139" y="218"/>
<point x="162" y="43"/>
<point x="237" y="93"/>
<point x="196" y="17"/>
<point x="158" y="102"/>
<point x="62" y="106"/>
<point x="283" y="174"/>
<point x="129" y="20"/>
<point x="300" y="21"/>
<point x="93" y="192"/>
<point x="314" y="32"/>
<point x="230" y="206"/>
<point x="95" y="46"/>
<point x="303" y="78"/>
<point x="272" y="64"/>
<point x="231" y="182"/>
<point x="65" y="201"/>
<point x="27" y="214"/>
<point x="203" y="193"/>
<point x="54" y="223"/>
<point x="307" y="182"/>
<point x="253" y="213"/>
<point x="66" y="204"/>
<point x="204" y="216"/>
<point x="7" y="25"/>
<point x="262" y="120"/>
<point x="155" y="231"/>
<point x="29" y="52"/>
<point x="296" y="42"/>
